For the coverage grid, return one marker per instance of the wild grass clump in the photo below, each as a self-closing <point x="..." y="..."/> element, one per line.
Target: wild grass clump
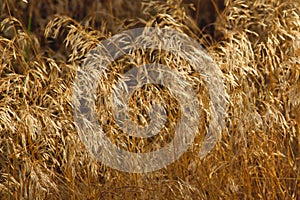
<point x="256" y="44"/>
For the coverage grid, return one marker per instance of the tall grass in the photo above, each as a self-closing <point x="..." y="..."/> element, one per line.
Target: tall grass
<point x="255" y="43"/>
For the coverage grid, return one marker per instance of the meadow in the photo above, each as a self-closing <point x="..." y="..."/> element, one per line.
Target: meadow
<point x="255" y="44"/>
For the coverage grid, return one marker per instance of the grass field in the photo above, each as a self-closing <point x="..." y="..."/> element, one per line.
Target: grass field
<point x="256" y="45"/>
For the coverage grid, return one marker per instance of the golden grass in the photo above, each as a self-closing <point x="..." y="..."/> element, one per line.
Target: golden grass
<point x="255" y="43"/>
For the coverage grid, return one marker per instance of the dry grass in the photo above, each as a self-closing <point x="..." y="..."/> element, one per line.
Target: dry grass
<point x="255" y="43"/>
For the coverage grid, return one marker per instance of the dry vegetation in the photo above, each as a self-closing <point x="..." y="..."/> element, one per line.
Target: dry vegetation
<point x="255" y="43"/>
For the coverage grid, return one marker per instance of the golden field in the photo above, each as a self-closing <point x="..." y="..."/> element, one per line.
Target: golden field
<point x="256" y="45"/>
